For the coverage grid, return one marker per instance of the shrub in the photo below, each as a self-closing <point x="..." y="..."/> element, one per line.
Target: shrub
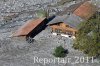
<point x="42" y="13"/>
<point x="60" y="52"/>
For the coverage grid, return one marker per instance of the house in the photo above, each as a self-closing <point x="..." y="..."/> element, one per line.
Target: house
<point x="67" y="25"/>
<point x="31" y="27"/>
<point x="63" y="29"/>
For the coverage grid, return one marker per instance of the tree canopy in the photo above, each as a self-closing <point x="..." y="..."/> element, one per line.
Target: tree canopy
<point x="88" y="37"/>
<point x="60" y="52"/>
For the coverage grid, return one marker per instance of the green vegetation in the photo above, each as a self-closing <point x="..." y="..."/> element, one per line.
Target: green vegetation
<point x="60" y="52"/>
<point x="88" y="37"/>
<point x="42" y="13"/>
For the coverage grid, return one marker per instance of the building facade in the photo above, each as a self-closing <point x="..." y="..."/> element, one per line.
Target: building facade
<point x="63" y="29"/>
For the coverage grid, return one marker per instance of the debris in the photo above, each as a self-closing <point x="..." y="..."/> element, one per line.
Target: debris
<point x="9" y="17"/>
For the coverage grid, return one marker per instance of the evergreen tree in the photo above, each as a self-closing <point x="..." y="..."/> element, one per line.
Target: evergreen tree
<point x="88" y="37"/>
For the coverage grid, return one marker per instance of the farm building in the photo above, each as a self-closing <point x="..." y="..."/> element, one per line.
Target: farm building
<point x="68" y="25"/>
<point x="65" y="25"/>
<point x="63" y="29"/>
<point x="86" y="10"/>
<point x="31" y="27"/>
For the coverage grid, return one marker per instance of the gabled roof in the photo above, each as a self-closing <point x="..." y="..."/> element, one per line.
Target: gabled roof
<point x="83" y="12"/>
<point x="28" y="27"/>
<point x="70" y="9"/>
<point x="86" y="10"/>
<point x="72" y="20"/>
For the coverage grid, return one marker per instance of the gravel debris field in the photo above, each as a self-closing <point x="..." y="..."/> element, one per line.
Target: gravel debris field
<point x="16" y="51"/>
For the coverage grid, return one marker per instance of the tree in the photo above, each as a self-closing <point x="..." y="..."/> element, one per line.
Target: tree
<point x="60" y="52"/>
<point x="88" y="37"/>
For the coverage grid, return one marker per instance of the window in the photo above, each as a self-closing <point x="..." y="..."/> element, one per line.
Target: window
<point x="58" y="30"/>
<point x="69" y="33"/>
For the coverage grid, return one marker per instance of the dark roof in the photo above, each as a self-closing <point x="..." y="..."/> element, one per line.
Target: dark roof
<point x="72" y="20"/>
<point x="70" y="9"/>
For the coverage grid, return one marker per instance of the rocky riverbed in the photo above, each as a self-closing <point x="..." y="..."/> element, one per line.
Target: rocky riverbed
<point x="16" y="51"/>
